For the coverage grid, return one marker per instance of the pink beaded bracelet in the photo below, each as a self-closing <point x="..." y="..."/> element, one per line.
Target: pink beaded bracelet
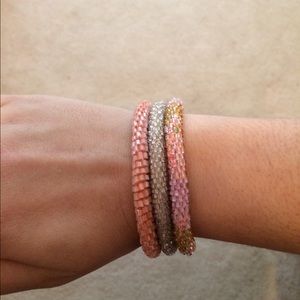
<point x="140" y="182"/>
<point x="177" y="177"/>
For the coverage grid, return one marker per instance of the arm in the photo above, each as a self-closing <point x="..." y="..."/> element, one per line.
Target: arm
<point x="67" y="206"/>
<point x="245" y="180"/>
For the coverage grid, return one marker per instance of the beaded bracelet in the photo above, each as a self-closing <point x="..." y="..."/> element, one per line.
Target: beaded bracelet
<point x="158" y="178"/>
<point x="178" y="178"/>
<point x="140" y="182"/>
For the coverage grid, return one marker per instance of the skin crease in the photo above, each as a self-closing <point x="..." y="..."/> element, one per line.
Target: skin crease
<point x="66" y="201"/>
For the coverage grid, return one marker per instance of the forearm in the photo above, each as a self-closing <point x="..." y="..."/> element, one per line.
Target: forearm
<point x="66" y="199"/>
<point x="244" y="179"/>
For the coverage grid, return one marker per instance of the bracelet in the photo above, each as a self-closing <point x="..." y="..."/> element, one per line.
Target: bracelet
<point x="158" y="179"/>
<point x="178" y="178"/>
<point x="140" y="182"/>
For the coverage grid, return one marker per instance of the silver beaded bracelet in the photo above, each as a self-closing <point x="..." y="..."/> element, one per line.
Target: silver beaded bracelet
<point x="159" y="179"/>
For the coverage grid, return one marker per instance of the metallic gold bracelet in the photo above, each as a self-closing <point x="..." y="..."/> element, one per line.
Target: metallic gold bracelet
<point x="159" y="180"/>
<point x="140" y="182"/>
<point x="178" y="177"/>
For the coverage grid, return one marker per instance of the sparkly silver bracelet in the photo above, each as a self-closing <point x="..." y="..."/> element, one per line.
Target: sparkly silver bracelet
<point x="159" y="179"/>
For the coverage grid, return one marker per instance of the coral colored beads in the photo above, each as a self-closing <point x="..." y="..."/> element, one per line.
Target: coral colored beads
<point x="140" y="181"/>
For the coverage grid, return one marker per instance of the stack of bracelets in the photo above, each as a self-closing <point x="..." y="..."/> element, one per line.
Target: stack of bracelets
<point x="159" y="180"/>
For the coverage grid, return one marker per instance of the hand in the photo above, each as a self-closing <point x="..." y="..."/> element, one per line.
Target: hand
<point x="65" y="176"/>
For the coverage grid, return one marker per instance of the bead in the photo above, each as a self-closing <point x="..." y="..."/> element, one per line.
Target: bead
<point x="140" y="182"/>
<point x="178" y="177"/>
<point x="159" y="181"/>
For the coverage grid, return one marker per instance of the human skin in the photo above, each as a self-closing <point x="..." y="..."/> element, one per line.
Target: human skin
<point x="66" y="201"/>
